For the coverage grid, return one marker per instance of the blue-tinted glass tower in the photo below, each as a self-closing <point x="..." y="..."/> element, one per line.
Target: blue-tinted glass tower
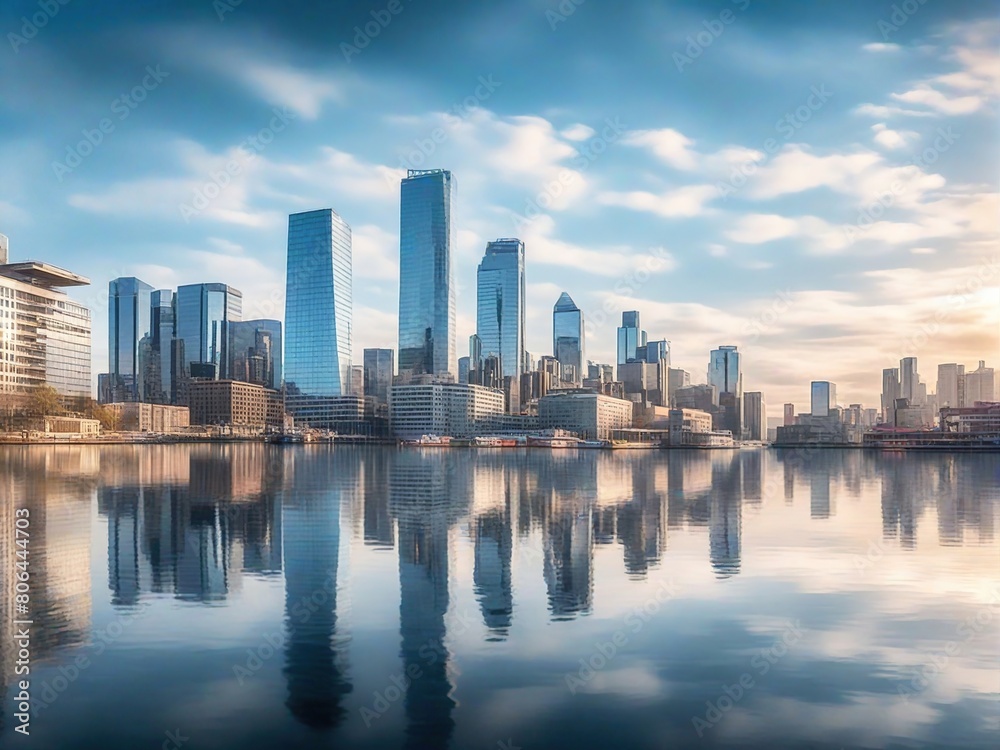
<point x="426" y="274"/>
<point x="202" y="311"/>
<point x="568" y="344"/>
<point x="128" y="324"/>
<point x="318" y="305"/>
<point x="500" y="304"/>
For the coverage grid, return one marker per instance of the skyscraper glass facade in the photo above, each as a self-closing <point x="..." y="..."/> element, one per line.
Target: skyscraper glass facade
<point x="568" y="342"/>
<point x="202" y="311"/>
<point x="427" y="311"/>
<point x="254" y="352"/>
<point x="158" y="355"/>
<point x="128" y="324"/>
<point x="724" y="370"/>
<point x="379" y="366"/>
<point x="318" y="305"/>
<point x="500" y="304"/>
<point x="629" y="337"/>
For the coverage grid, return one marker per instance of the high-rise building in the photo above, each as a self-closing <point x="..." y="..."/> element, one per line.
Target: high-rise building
<point x="630" y="337"/>
<point x="427" y="310"/>
<point x="379" y="368"/>
<point x="909" y="380"/>
<point x="823" y="398"/>
<point x="676" y="379"/>
<point x="951" y="385"/>
<point x="980" y="385"/>
<point x="890" y="393"/>
<point x="568" y="342"/>
<point x="724" y="371"/>
<point x="254" y="352"/>
<point x="789" y="416"/>
<point x="158" y="353"/>
<point x="463" y="369"/>
<point x="128" y="325"/>
<point x="45" y="336"/>
<point x="318" y="309"/>
<point x="500" y="304"/>
<point x="755" y="416"/>
<point x="202" y="311"/>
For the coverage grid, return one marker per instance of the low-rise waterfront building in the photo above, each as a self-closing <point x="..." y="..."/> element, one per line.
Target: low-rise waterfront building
<point x="134" y="416"/>
<point x="72" y="426"/>
<point x="591" y="415"/>
<point x="231" y="403"/>
<point x="456" y="409"/>
<point x="981" y="417"/>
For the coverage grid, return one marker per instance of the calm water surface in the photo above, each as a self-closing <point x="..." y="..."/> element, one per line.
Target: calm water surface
<point x="216" y="596"/>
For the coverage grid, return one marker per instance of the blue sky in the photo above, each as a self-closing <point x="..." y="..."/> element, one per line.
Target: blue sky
<point x="816" y="183"/>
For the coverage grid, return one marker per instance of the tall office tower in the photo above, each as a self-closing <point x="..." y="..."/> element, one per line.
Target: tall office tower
<point x="630" y="337"/>
<point x="463" y="369"/>
<point x="356" y="380"/>
<point x="475" y="359"/>
<point x="823" y="398"/>
<point x="318" y="309"/>
<point x="951" y="385"/>
<point x="44" y="335"/>
<point x="426" y="275"/>
<point x="380" y="365"/>
<point x="500" y="304"/>
<point x="202" y="310"/>
<point x="156" y="349"/>
<point x="254" y="352"/>
<point x="909" y="379"/>
<point x="724" y="371"/>
<point x="568" y="343"/>
<point x="980" y="385"/>
<point x="890" y="392"/>
<point x="789" y="418"/>
<point x="128" y="323"/>
<point x="755" y="415"/>
<point x="676" y="378"/>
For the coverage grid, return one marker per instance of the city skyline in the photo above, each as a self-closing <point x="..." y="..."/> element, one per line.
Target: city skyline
<point x="767" y="267"/>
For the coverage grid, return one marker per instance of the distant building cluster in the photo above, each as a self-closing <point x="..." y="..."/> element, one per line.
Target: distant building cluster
<point x="191" y="349"/>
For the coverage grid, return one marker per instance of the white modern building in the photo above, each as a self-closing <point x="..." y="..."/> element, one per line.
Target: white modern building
<point x="44" y="335"/>
<point x="456" y="409"/>
<point x="591" y="415"/>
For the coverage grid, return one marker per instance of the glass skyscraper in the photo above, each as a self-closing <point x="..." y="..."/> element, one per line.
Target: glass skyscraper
<point x="568" y="343"/>
<point x="159" y="363"/>
<point x="318" y="305"/>
<point x="379" y="366"/>
<point x="128" y="324"/>
<point x="426" y="274"/>
<point x="500" y="304"/>
<point x="202" y="310"/>
<point x="630" y="337"/>
<point x="724" y="371"/>
<point x="823" y="397"/>
<point x="254" y="352"/>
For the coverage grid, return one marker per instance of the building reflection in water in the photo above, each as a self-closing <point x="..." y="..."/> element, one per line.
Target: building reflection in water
<point x="316" y="485"/>
<point x="192" y="521"/>
<point x="426" y="499"/>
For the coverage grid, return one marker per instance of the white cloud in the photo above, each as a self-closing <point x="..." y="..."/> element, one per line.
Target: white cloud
<point x="754" y="229"/>
<point x="893" y="139"/>
<point x="880" y="47"/>
<point x="934" y="99"/>
<point x="671" y="146"/>
<point x="683" y="202"/>
<point x="577" y="132"/>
